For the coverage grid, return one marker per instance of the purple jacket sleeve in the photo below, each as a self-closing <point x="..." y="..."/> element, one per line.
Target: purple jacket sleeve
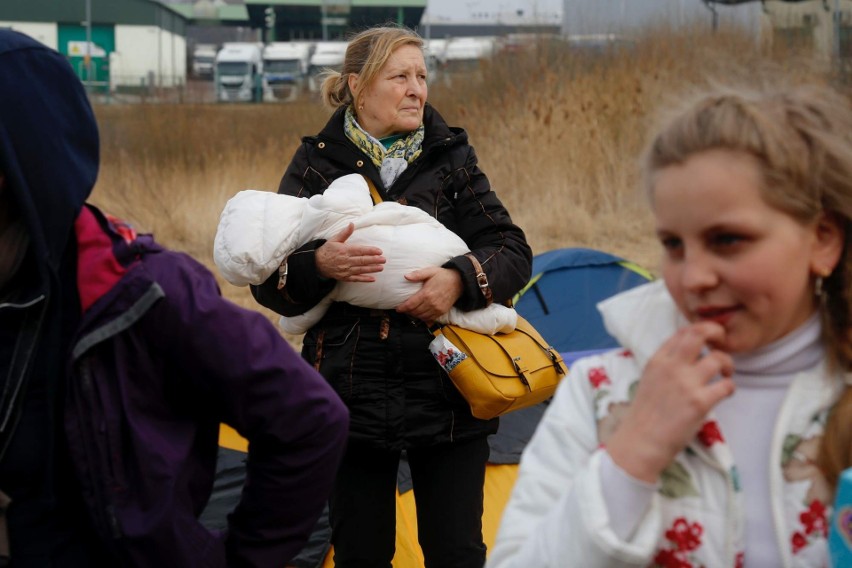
<point x="296" y="425"/>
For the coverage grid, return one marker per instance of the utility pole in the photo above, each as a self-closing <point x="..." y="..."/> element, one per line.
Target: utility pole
<point x="710" y="4"/>
<point x="88" y="57"/>
<point x="324" y="21"/>
<point x="269" y="23"/>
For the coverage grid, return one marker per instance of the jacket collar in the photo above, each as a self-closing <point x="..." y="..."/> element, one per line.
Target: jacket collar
<point x="641" y="319"/>
<point x="115" y="288"/>
<point x="437" y="129"/>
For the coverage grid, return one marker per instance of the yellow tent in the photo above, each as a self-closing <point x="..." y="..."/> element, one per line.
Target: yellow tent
<point x="499" y="479"/>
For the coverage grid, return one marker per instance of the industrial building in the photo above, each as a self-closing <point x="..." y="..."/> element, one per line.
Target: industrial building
<point x="328" y="19"/>
<point x="122" y="45"/>
<point x="111" y="44"/>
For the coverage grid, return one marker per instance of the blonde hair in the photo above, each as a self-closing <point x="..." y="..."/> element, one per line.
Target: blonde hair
<point x="366" y="54"/>
<point x="800" y="139"/>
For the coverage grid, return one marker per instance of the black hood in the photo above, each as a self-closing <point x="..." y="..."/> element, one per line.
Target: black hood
<point x="48" y="143"/>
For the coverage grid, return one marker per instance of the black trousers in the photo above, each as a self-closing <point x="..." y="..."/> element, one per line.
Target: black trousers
<point x="448" y="484"/>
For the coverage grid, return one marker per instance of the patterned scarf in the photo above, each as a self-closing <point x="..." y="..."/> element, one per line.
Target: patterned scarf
<point x="391" y="162"/>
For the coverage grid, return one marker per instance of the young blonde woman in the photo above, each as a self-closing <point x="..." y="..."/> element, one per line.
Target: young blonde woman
<point x="715" y="435"/>
<point x="378" y="360"/>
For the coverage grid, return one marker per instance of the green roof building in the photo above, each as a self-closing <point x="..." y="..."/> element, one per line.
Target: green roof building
<point x="329" y="19"/>
<point x="109" y="43"/>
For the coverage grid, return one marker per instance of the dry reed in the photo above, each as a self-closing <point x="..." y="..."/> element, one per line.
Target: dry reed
<point x="557" y="130"/>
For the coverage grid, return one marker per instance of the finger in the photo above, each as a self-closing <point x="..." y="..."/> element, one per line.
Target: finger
<point x="371" y="252"/>
<point x="422" y="274"/>
<point x="366" y="269"/>
<point x="713" y="364"/>
<point x="690" y="342"/>
<point x="718" y="391"/>
<point x="411" y="305"/>
<point x="344" y="234"/>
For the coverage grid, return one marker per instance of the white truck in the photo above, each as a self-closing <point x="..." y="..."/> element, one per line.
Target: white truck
<point x="203" y="59"/>
<point x="239" y="73"/>
<point x="285" y="70"/>
<point x="327" y="55"/>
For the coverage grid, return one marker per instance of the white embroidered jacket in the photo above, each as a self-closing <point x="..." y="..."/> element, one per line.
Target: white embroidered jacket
<point x="557" y="517"/>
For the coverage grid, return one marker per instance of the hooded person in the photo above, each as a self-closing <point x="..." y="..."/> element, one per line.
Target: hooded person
<point x="119" y="361"/>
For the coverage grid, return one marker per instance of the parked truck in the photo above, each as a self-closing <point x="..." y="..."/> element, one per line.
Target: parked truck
<point x="203" y="60"/>
<point x="285" y="70"/>
<point x="327" y="55"/>
<point x="239" y="73"/>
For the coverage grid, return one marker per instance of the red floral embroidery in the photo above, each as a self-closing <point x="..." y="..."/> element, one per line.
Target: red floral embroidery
<point x="815" y="524"/>
<point x="814" y="518"/>
<point x="671" y="559"/>
<point x="739" y="562"/>
<point x="626" y="353"/>
<point x="799" y="541"/>
<point x="598" y="377"/>
<point x="685" y="537"/>
<point x="710" y="433"/>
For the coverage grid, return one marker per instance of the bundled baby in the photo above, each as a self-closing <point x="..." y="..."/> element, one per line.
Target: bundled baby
<point x="259" y="229"/>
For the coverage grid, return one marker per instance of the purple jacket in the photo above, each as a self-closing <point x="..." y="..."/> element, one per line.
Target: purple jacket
<point x="159" y="361"/>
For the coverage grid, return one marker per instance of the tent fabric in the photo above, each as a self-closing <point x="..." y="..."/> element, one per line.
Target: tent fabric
<point x="560" y="301"/>
<point x="561" y="298"/>
<point x="499" y="480"/>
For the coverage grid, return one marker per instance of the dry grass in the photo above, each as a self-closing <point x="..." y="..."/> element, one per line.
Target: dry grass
<point x="557" y="131"/>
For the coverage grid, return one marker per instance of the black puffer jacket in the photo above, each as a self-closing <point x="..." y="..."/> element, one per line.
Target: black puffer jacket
<point x="378" y="361"/>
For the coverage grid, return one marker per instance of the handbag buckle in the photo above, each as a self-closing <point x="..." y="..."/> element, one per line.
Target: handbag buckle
<point x="522" y="372"/>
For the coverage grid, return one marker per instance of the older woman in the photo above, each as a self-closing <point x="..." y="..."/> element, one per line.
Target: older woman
<point x="378" y="360"/>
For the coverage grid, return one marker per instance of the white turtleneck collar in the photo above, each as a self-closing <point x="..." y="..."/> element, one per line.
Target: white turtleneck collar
<point x="797" y="351"/>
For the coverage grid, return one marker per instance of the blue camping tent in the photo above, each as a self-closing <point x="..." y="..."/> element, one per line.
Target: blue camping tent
<point x="561" y="297"/>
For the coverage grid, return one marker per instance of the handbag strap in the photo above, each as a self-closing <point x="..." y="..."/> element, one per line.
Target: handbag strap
<point x="481" y="279"/>
<point x="374" y="193"/>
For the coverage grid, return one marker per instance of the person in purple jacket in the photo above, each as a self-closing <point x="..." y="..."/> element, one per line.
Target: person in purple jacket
<point x="119" y="359"/>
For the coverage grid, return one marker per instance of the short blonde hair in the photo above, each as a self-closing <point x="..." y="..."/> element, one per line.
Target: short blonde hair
<point x="366" y="54"/>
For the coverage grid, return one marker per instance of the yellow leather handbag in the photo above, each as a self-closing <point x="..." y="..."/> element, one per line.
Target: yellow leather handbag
<point x="499" y="373"/>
